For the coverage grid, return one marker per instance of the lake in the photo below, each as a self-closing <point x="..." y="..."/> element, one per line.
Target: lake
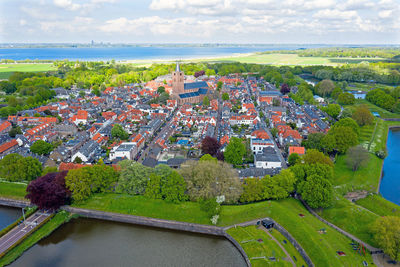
<point x="138" y="52"/>
<point x="390" y="184"/>
<point x="89" y="242"/>
<point x="8" y="216"/>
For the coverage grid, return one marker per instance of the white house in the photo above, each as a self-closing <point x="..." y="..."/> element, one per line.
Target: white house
<point x="126" y="150"/>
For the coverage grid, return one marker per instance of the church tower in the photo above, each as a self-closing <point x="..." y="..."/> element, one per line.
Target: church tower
<point x="178" y="81"/>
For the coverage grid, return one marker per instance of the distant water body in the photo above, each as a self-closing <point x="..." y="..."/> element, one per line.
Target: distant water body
<point x="139" y="52"/>
<point x="390" y="184"/>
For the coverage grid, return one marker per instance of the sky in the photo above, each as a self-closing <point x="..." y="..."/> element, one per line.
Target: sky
<point x="201" y="21"/>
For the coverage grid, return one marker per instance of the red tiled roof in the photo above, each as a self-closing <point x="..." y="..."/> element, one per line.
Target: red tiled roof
<point x="4" y="125"/>
<point x="6" y="146"/>
<point x="297" y="149"/>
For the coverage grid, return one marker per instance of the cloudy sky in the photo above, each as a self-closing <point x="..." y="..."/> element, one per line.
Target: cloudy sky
<point x="201" y="21"/>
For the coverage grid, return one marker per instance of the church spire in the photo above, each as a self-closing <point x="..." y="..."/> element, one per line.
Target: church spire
<point x="178" y="68"/>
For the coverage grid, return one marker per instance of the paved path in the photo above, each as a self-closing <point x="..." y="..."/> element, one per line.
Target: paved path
<point x="20" y="231"/>
<point x="288" y="258"/>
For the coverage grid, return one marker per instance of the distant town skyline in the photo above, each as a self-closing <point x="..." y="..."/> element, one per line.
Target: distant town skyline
<point x="206" y="21"/>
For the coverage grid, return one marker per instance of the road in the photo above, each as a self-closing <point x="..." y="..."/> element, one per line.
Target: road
<point x="21" y="230"/>
<point x="165" y="132"/>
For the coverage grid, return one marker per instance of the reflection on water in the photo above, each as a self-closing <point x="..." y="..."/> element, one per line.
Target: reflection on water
<point x="87" y="242"/>
<point x="8" y="215"/>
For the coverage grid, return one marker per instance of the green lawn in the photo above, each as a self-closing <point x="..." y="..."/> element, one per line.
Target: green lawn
<point x="12" y="190"/>
<point x="298" y="259"/>
<point x="380" y="206"/>
<point x="382" y="112"/>
<point x="35" y="237"/>
<point x="7" y="69"/>
<point x="352" y="218"/>
<point x="289" y="59"/>
<point x="248" y="238"/>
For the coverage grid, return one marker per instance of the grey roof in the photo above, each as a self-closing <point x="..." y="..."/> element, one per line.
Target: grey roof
<point x="268" y="154"/>
<point x="270" y="93"/>
<point x="125" y="147"/>
<point x="175" y="162"/>
<point x="194" y="85"/>
<point x="257" y="172"/>
<point x="150" y="162"/>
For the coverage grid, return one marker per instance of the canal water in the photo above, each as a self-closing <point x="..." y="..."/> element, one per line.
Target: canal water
<point x="89" y="242"/>
<point x="8" y="216"/>
<point x="390" y="184"/>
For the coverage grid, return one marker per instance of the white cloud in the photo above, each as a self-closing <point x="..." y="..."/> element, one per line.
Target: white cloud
<point x="67" y="4"/>
<point x="385" y="14"/>
<point x="334" y="14"/>
<point x="22" y="22"/>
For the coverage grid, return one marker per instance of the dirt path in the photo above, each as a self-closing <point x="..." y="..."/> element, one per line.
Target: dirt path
<point x="288" y="258"/>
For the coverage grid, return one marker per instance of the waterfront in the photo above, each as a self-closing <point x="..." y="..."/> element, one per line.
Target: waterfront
<point x="89" y="242"/>
<point x="390" y="184"/>
<point x="137" y="53"/>
<point x="8" y="216"/>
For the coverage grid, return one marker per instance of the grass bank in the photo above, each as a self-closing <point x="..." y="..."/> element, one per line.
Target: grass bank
<point x="320" y="247"/>
<point x="7" y="69"/>
<point x="379" y="205"/>
<point x="35" y="237"/>
<point x="13" y="190"/>
<point x="259" y="247"/>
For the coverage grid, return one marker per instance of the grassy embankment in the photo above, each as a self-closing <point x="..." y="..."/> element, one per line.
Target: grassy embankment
<point x="12" y="190"/>
<point x="35" y="237"/>
<point x="320" y="247"/>
<point x="7" y="69"/>
<point x="248" y="238"/>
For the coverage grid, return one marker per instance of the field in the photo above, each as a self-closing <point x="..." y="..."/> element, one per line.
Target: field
<point x="288" y="59"/>
<point x="12" y="190"/>
<point x="7" y="69"/>
<point x="248" y="238"/>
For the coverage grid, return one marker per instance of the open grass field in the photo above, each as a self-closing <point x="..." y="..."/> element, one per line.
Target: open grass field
<point x="382" y="112"/>
<point x="379" y="205"/>
<point x="12" y="190"/>
<point x="289" y="59"/>
<point x="35" y="237"/>
<point x="7" y="69"/>
<point x="248" y="238"/>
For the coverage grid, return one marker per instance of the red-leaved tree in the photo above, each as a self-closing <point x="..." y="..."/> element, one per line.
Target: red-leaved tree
<point x="210" y="145"/>
<point x="49" y="192"/>
<point x="285" y="89"/>
<point x="199" y="73"/>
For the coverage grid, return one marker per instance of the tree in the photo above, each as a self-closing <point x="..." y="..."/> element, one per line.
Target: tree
<point x="274" y="132"/>
<point x="279" y="186"/>
<point x="199" y="73"/>
<point x="253" y="190"/>
<point x="49" y="191"/>
<point x="345" y="138"/>
<point x="328" y="143"/>
<point x="363" y="116"/>
<point x="333" y="110"/>
<point x="285" y="89"/>
<point x="325" y="87"/>
<point x="235" y="151"/>
<point x="314" y="156"/>
<point x="78" y="181"/>
<point x="207" y="179"/>
<point x="161" y="89"/>
<point x="208" y="157"/>
<point x="41" y="147"/>
<point x="78" y="160"/>
<point x="174" y="187"/>
<point x="118" y="132"/>
<point x="133" y="177"/>
<point x="386" y="232"/>
<point x="357" y="157"/>
<point x="14" y="131"/>
<point x="225" y="96"/>
<point x="349" y="122"/>
<point x="293" y="159"/>
<point x="82" y="94"/>
<point x="15" y="168"/>
<point x="210" y="145"/>
<point x="316" y="191"/>
<point x="346" y="99"/>
<point x="153" y="189"/>
<point x="313" y="141"/>
<point x="103" y="178"/>
<point x="206" y="101"/>
<point x="49" y="169"/>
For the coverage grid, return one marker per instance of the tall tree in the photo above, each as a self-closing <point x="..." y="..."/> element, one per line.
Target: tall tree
<point x="210" y="145"/>
<point x="363" y="116"/>
<point x="225" y="96"/>
<point x="49" y="191"/>
<point x="118" y="132"/>
<point x="357" y="157"/>
<point x="279" y="186"/>
<point x="285" y="89"/>
<point x="333" y="110"/>
<point x="235" y="151"/>
<point x="325" y="87"/>
<point x="314" y="156"/>
<point x="206" y="101"/>
<point x="15" y="168"/>
<point x="207" y="179"/>
<point x="253" y="190"/>
<point x="316" y="191"/>
<point x="133" y="177"/>
<point x="345" y="137"/>
<point x="386" y="231"/>
<point x="78" y="181"/>
<point x="41" y="147"/>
